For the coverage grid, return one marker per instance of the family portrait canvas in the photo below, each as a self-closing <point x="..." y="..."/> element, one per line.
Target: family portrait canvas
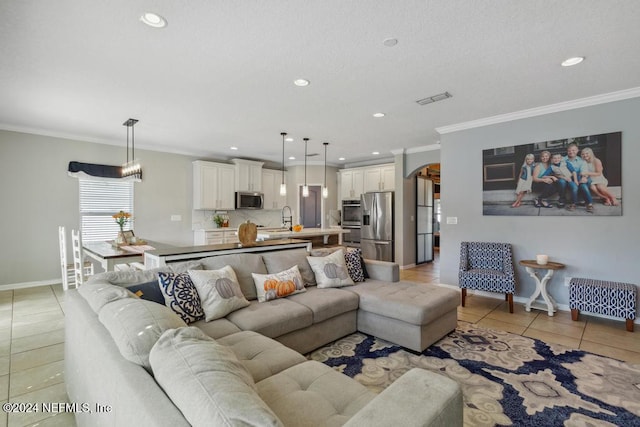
<point x="579" y="176"/>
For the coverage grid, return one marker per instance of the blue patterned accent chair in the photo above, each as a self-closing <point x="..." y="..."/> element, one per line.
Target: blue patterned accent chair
<point x="487" y="267"/>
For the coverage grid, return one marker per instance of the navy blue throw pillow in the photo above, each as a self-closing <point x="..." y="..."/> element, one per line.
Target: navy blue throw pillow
<point x="149" y="291"/>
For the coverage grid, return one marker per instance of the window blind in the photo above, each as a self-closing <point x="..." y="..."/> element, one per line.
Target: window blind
<point x="99" y="200"/>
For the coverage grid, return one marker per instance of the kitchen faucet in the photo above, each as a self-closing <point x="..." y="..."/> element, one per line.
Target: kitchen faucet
<point x="287" y="219"/>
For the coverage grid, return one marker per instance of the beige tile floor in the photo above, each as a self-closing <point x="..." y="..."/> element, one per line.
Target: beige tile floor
<point x="593" y="334"/>
<point x="32" y="354"/>
<point x="32" y="340"/>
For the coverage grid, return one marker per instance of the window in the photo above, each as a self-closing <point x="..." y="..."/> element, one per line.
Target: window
<point x="99" y="200"/>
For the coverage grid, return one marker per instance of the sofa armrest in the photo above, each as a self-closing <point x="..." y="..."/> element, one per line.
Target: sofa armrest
<point x="382" y="270"/>
<point x="417" y="398"/>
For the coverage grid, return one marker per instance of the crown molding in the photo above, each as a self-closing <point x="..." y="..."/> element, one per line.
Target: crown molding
<point x="539" y="111"/>
<point x="430" y="147"/>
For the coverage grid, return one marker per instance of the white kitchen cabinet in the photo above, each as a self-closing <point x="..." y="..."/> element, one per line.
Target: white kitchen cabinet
<point x="379" y="178"/>
<point x="271" y="180"/>
<point x="248" y="175"/>
<point x="215" y="237"/>
<point x="213" y="186"/>
<point x="351" y="183"/>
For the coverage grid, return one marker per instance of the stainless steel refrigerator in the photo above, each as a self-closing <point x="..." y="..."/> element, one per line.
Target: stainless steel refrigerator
<point x="376" y="238"/>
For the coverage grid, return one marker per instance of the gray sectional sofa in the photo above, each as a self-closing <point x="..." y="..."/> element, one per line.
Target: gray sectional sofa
<point x="150" y="368"/>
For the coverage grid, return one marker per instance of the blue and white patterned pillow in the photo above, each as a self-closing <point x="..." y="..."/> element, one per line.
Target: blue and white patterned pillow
<point x="353" y="259"/>
<point x="181" y="296"/>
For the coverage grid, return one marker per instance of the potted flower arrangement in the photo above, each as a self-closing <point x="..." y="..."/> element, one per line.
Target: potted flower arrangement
<point x="219" y="220"/>
<point x="122" y="218"/>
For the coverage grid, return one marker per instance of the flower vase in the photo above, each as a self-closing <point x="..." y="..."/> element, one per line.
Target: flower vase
<point x="121" y="240"/>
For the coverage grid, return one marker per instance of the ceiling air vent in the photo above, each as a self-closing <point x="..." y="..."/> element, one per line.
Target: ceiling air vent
<point x="434" y="98"/>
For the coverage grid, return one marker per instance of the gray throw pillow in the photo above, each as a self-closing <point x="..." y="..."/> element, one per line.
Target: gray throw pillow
<point x="207" y="382"/>
<point x="99" y="293"/>
<point x="135" y="325"/>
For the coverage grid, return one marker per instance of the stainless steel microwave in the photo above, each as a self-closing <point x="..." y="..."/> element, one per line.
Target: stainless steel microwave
<point x="249" y="200"/>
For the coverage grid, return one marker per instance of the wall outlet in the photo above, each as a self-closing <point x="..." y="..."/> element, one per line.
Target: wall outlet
<point x="452" y="220"/>
<point x="176" y="217"/>
<point x="567" y="280"/>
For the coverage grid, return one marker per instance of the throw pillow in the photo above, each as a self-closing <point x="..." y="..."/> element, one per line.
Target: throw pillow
<point x="135" y="325"/>
<point x="149" y="291"/>
<point x="278" y="285"/>
<point x="331" y="270"/>
<point x="181" y="296"/>
<point x="100" y="293"/>
<point x="207" y="382"/>
<point x="219" y="292"/>
<point x="353" y="260"/>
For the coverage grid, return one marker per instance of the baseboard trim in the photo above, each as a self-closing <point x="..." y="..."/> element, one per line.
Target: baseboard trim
<point x="24" y="285"/>
<point x="523" y="300"/>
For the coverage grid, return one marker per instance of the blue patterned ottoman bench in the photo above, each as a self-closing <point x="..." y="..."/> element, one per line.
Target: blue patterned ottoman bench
<point x="603" y="297"/>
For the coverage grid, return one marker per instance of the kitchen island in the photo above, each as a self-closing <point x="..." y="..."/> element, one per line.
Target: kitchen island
<point x="306" y="232"/>
<point x="162" y="257"/>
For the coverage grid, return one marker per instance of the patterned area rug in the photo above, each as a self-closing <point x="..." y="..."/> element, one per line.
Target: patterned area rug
<point x="506" y="379"/>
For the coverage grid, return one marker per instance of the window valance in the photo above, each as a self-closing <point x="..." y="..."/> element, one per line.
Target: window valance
<point x="99" y="172"/>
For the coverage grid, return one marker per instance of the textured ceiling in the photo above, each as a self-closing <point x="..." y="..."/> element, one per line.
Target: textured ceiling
<point x="221" y="73"/>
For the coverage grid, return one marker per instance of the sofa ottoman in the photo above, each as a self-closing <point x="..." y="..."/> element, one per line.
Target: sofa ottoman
<point x="409" y="314"/>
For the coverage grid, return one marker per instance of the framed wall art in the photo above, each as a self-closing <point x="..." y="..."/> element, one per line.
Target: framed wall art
<point x="578" y="176"/>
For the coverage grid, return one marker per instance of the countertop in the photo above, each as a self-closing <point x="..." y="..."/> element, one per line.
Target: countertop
<point x="306" y="232"/>
<point x="220" y="247"/>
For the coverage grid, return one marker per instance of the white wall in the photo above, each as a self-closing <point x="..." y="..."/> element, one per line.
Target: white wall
<point x="598" y="247"/>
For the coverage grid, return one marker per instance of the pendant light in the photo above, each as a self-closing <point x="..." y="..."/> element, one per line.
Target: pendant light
<point x="283" y="187"/>
<point x="305" y="188"/>
<point x="131" y="167"/>
<point x="325" y="190"/>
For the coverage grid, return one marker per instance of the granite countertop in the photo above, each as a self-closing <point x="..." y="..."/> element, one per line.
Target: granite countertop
<point x="220" y="247"/>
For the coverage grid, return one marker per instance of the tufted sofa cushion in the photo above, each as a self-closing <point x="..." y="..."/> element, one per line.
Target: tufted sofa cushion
<point x="261" y="356"/>
<point x="313" y="394"/>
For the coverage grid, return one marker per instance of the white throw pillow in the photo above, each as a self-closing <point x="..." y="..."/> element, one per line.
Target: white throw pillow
<point x="219" y="292"/>
<point x="331" y="270"/>
<point x="278" y="285"/>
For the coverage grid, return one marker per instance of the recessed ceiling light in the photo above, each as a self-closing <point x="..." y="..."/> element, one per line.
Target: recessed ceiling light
<point x="375" y="153"/>
<point x="378" y="114"/>
<point x="390" y="42"/>
<point x="153" y="20"/>
<point x="233" y="148"/>
<point x="341" y="158"/>
<point x="291" y="158"/>
<point x="289" y="139"/>
<point x="572" y="61"/>
<point x="301" y="82"/>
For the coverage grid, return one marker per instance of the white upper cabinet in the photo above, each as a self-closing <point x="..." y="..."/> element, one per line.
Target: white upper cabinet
<point x="213" y="186"/>
<point x="248" y="175"/>
<point x="271" y="180"/>
<point x="351" y="183"/>
<point x="379" y="178"/>
<point x="355" y="181"/>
